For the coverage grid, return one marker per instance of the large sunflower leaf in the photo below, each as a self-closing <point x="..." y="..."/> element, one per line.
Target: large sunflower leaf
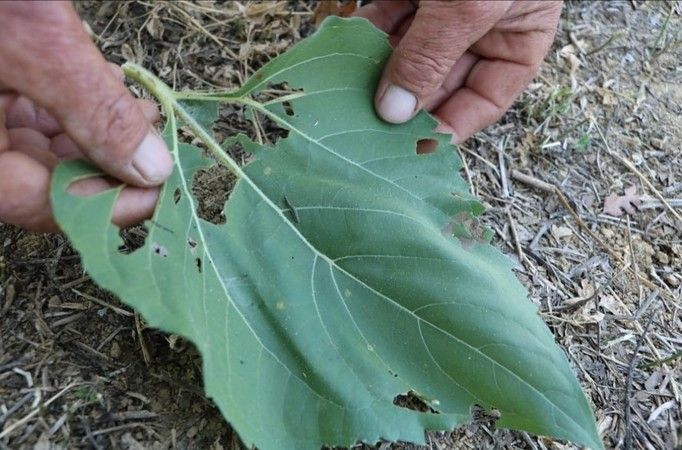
<point x="349" y="269"/>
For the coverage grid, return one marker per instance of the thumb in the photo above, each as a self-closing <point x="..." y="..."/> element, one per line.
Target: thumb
<point x="438" y="36"/>
<point x="50" y="59"/>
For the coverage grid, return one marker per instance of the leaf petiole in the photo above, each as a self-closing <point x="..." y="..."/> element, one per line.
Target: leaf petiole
<point x="169" y="100"/>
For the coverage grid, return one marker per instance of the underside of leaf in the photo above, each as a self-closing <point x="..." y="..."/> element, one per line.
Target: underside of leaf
<point x="349" y="269"/>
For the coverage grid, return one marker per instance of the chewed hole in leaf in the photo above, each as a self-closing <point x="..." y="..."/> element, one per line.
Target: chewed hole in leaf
<point x="198" y="263"/>
<point x="238" y="153"/>
<point x="240" y="119"/>
<point x="232" y="120"/>
<point x="212" y="188"/>
<point x="192" y="244"/>
<point x="177" y="194"/>
<point x="288" y="110"/>
<point x="412" y="401"/>
<point x="277" y="90"/>
<point x="269" y="131"/>
<point x="482" y="415"/>
<point x="133" y="238"/>
<point x="425" y="146"/>
<point x="159" y="250"/>
<point x="468" y="229"/>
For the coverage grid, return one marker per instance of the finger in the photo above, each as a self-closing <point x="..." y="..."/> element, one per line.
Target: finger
<point x="453" y="81"/>
<point x="150" y="110"/>
<point x="64" y="147"/>
<point x="133" y="205"/>
<point x="117" y="71"/>
<point x="489" y="90"/>
<point x="4" y="137"/>
<point x="34" y="144"/>
<point x="24" y="195"/>
<point x="24" y="187"/>
<point x="61" y="69"/>
<point x="440" y="33"/>
<point x="387" y="16"/>
<point x="28" y="137"/>
<point x="23" y="113"/>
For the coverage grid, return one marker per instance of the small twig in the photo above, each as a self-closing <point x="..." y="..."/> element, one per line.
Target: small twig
<point x="515" y="237"/>
<point x="123" y="312"/>
<point x="503" y="168"/>
<point x="651" y="203"/>
<point x="76" y="282"/>
<point x="125" y="426"/>
<point x="124" y="416"/>
<point x="89" y="349"/>
<point x="660" y="362"/>
<point x="23" y="400"/>
<point x="627" y="440"/>
<point x="465" y="166"/>
<point x="633" y="260"/>
<point x="661" y="33"/>
<point x="532" y="181"/>
<point x="143" y="344"/>
<point x="615" y="36"/>
<point x="109" y="338"/>
<point x="529" y="441"/>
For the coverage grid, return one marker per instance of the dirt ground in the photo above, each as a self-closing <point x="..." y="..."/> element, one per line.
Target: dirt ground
<point x="80" y="370"/>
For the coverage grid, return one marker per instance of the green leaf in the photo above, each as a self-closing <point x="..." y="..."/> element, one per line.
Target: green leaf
<point x="349" y="270"/>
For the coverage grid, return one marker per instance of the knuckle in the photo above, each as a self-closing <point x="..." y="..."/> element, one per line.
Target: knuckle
<point x="473" y="8"/>
<point x="422" y="68"/>
<point x="117" y="124"/>
<point x="449" y="11"/>
<point x="4" y="136"/>
<point x="16" y="192"/>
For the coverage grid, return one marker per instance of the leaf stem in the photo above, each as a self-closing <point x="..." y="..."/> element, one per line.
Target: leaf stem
<point x="154" y="85"/>
<point x="169" y="100"/>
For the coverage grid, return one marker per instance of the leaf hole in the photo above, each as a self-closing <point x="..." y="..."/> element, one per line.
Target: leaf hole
<point x="198" y="263"/>
<point x="177" y="195"/>
<point x="133" y="238"/>
<point x="270" y="131"/>
<point x="486" y="416"/>
<point x="192" y="244"/>
<point x="212" y="188"/>
<point x="159" y="250"/>
<point x="468" y="229"/>
<point x="288" y="110"/>
<point x="238" y="153"/>
<point x="426" y="146"/>
<point x="413" y="402"/>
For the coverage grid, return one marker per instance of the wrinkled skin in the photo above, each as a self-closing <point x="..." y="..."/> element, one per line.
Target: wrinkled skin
<point x="464" y="61"/>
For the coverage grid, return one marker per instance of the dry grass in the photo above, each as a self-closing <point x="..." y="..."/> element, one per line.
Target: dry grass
<point x="79" y="370"/>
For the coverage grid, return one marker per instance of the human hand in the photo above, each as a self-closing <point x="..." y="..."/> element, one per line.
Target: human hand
<point x="60" y="99"/>
<point x="464" y="61"/>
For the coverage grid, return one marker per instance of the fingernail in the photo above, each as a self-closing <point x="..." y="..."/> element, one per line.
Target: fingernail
<point x="152" y="159"/>
<point x="397" y="105"/>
